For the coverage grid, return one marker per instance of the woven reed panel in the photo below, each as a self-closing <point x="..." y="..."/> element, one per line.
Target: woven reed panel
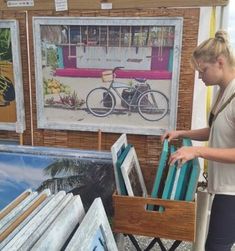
<point x="7" y="135"/>
<point x="148" y="147"/>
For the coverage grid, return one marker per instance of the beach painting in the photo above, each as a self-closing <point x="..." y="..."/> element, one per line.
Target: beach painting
<point x="88" y="173"/>
<point x="75" y="59"/>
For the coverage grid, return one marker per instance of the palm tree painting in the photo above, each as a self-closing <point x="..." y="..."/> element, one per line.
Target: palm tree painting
<point x="87" y="173"/>
<point x="87" y="178"/>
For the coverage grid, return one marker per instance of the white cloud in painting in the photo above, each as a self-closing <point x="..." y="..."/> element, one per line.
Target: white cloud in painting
<point x="31" y="176"/>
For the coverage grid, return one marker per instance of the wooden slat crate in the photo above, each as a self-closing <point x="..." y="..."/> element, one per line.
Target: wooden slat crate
<point x="176" y="222"/>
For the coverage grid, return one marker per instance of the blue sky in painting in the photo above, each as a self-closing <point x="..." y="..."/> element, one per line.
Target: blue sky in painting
<point x="98" y="240"/>
<point x="19" y="172"/>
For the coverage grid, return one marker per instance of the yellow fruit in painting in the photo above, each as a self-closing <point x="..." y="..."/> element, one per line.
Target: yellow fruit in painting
<point x="55" y="84"/>
<point x="48" y="84"/>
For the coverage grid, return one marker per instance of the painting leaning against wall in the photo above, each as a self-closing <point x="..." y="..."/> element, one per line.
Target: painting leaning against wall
<point x="109" y="74"/>
<point x="87" y="173"/>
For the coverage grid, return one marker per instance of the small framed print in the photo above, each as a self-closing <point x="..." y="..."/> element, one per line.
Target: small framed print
<point x="94" y="233"/>
<point x="132" y="175"/>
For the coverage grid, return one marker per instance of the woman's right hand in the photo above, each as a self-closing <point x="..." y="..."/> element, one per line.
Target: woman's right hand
<point x="172" y="135"/>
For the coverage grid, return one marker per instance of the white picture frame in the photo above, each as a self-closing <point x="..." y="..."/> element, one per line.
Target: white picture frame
<point x="55" y="236"/>
<point x="116" y="149"/>
<point x="13" y="61"/>
<point x="132" y="175"/>
<point x="94" y="226"/>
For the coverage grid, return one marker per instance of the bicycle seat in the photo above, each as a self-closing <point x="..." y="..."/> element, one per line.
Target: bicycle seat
<point x="140" y="80"/>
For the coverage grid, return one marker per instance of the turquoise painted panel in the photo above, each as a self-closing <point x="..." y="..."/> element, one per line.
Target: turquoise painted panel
<point x="182" y="184"/>
<point x="119" y="162"/>
<point x="193" y="181"/>
<point x="186" y="142"/>
<point x="162" y="164"/>
<point x="169" y="180"/>
<point x="184" y="175"/>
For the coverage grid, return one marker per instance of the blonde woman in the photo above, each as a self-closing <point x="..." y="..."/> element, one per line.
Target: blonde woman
<point x="215" y="63"/>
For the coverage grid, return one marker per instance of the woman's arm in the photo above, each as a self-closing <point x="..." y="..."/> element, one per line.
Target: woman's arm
<point x="198" y="134"/>
<point x="224" y="155"/>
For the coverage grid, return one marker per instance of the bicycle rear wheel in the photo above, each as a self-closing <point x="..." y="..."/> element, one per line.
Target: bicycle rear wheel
<point x="100" y="101"/>
<point x="153" y="105"/>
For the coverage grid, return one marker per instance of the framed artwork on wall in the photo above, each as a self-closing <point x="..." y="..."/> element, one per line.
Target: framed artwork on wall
<point x="114" y="74"/>
<point x="12" y="117"/>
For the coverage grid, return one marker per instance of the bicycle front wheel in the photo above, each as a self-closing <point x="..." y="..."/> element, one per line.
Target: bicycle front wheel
<point x="153" y="105"/>
<point x="100" y="101"/>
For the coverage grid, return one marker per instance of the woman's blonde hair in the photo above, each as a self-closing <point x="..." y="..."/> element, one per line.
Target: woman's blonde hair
<point x="209" y="50"/>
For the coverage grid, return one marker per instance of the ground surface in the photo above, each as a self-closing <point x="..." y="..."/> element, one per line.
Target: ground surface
<point x="126" y="245"/>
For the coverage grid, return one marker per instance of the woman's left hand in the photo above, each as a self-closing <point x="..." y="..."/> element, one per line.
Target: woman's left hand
<point x="184" y="154"/>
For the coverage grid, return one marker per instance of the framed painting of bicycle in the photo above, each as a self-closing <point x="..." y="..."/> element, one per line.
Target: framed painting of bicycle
<point x="11" y="87"/>
<point x="109" y="74"/>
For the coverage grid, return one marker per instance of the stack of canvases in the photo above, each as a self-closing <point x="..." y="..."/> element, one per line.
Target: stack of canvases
<point x="48" y="221"/>
<point x="171" y="182"/>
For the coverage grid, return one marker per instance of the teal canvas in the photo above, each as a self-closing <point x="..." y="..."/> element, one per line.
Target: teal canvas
<point x="119" y="162"/>
<point x="193" y="181"/>
<point x="188" y="177"/>
<point x="162" y="164"/>
<point x="182" y="184"/>
<point x="187" y="142"/>
<point x="169" y="180"/>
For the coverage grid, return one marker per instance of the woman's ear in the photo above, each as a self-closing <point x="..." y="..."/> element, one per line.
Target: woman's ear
<point x="221" y="61"/>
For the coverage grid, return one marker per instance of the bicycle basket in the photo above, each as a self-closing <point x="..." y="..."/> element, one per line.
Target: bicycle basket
<point x="107" y="76"/>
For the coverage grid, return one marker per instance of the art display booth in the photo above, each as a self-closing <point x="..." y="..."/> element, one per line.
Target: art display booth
<point x="57" y="58"/>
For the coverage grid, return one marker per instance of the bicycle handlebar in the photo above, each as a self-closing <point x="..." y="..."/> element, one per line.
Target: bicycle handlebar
<point x="117" y="68"/>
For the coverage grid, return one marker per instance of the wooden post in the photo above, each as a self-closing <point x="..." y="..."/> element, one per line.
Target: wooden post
<point x="99" y="139"/>
<point x="21" y="139"/>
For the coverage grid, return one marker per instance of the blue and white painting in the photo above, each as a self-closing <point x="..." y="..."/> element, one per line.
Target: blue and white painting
<point x="88" y="173"/>
<point x="19" y="172"/>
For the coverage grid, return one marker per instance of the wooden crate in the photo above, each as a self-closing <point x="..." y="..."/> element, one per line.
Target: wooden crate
<point x="176" y="222"/>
